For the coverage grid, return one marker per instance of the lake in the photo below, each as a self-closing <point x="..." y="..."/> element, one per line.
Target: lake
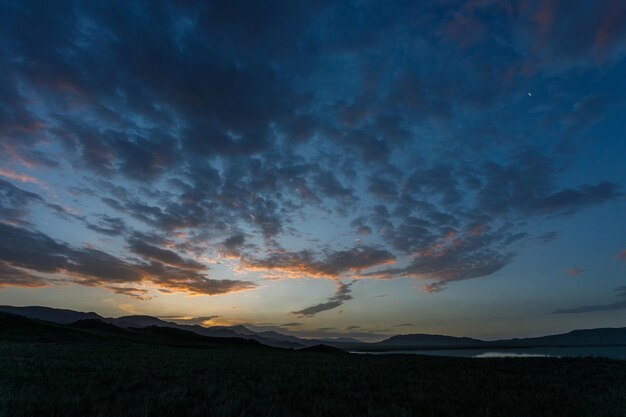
<point x="613" y="352"/>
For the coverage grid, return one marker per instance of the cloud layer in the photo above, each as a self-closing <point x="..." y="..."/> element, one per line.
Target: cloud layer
<point x="25" y="254"/>
<point x="331" y="140"/>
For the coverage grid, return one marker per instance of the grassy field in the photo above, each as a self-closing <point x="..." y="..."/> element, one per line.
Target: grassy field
<point x="129" y="378"/>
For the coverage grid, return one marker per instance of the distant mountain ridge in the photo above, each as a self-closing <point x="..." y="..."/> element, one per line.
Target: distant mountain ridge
<point x="429" y="340"/>
<point x="608" y="336"/>
<point x="55" y="315"/>
<point x="62" y="316"/>
<point x="585" y="337"/>
<point x="19" y="328"/>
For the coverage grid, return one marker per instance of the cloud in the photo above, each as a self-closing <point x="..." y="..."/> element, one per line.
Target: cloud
<point x="231" y="246"/>
<point x="164" y="256"/>
<point x="574" y="271"/>
<point x="479" y="240"/>
<point x="14" y="202"/>
<point x="617" y="305"/>
<point x="108" y="225"/>
<point x="34" y="251"/>
<point x="570" y="200"/>
<point x="595" y="33"/>
<point x="202" y="321"/>
<point x="136" y="293"/>
<point x="547" y="237"/>
<point x="243" y="128"/>
<point x="15" y="277"/>
<point x="342" y="294"/>
<point x="453" y="258"/>
<point x="433" y="287"/>
<point x="526" y="187"/>
<point x="16" y="176"/>
<point x="334" y="264"/>
<point x="464" y="30"/>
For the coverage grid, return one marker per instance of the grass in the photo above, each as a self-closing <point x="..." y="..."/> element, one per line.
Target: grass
<point x="89" y="379"/>
<point x="94" y="370"/>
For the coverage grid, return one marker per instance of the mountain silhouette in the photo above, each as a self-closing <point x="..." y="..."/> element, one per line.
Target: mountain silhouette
<point x="322" y="348"/>
<point x="106" y="327"/>
<point x="429" y="340"/>
<point x="55" y="315"/>
<point x="62" y="316"/>
<point x="19" y="328"/>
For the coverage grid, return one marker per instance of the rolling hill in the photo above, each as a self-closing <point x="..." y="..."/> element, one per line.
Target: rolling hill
<point x="134" y="323"/>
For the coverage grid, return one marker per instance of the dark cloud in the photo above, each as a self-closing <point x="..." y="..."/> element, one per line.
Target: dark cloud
<point x="342" y="295"/>
<point x="164" y="256"/>
<point x="480" y="234"/>
<point x="382" y="189"/>
<point x="569" y="201"/>
<point x="15" y="202"/>
<point x="108" y="225"/>
<point x="231" y="246"/>
<point x="360" y="227"/>
<point x="14" y="277"/>
<point x="526" y="187"/>
<point x="329" y="186"/>
<point x="31" y="250"/>
<point x="453" y="258"/>
<point x="180" y="280"/>
<point x="34" y="251"/>
<point x="136" y="293"/>
<point x="440" y="180"/>
<point x="617" y="305"/>
<point x="335" y="263"/>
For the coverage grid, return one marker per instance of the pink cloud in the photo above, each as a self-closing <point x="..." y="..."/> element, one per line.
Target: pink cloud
<point x="574" y="271"/>
<point x="16" y="176"/>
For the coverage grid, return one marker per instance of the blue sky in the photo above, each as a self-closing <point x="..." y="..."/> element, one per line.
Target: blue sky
<point x="319" y="168"/>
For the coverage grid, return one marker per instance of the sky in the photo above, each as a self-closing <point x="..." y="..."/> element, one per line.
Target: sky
<point x="318" y="168"/>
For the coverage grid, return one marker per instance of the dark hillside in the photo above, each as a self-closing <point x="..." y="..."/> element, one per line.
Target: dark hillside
<point x="323" y="349"/>
<point x="19" y="328"/>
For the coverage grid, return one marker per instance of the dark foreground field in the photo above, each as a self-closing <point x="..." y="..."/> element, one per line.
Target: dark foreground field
<point x="163" y="375"/>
